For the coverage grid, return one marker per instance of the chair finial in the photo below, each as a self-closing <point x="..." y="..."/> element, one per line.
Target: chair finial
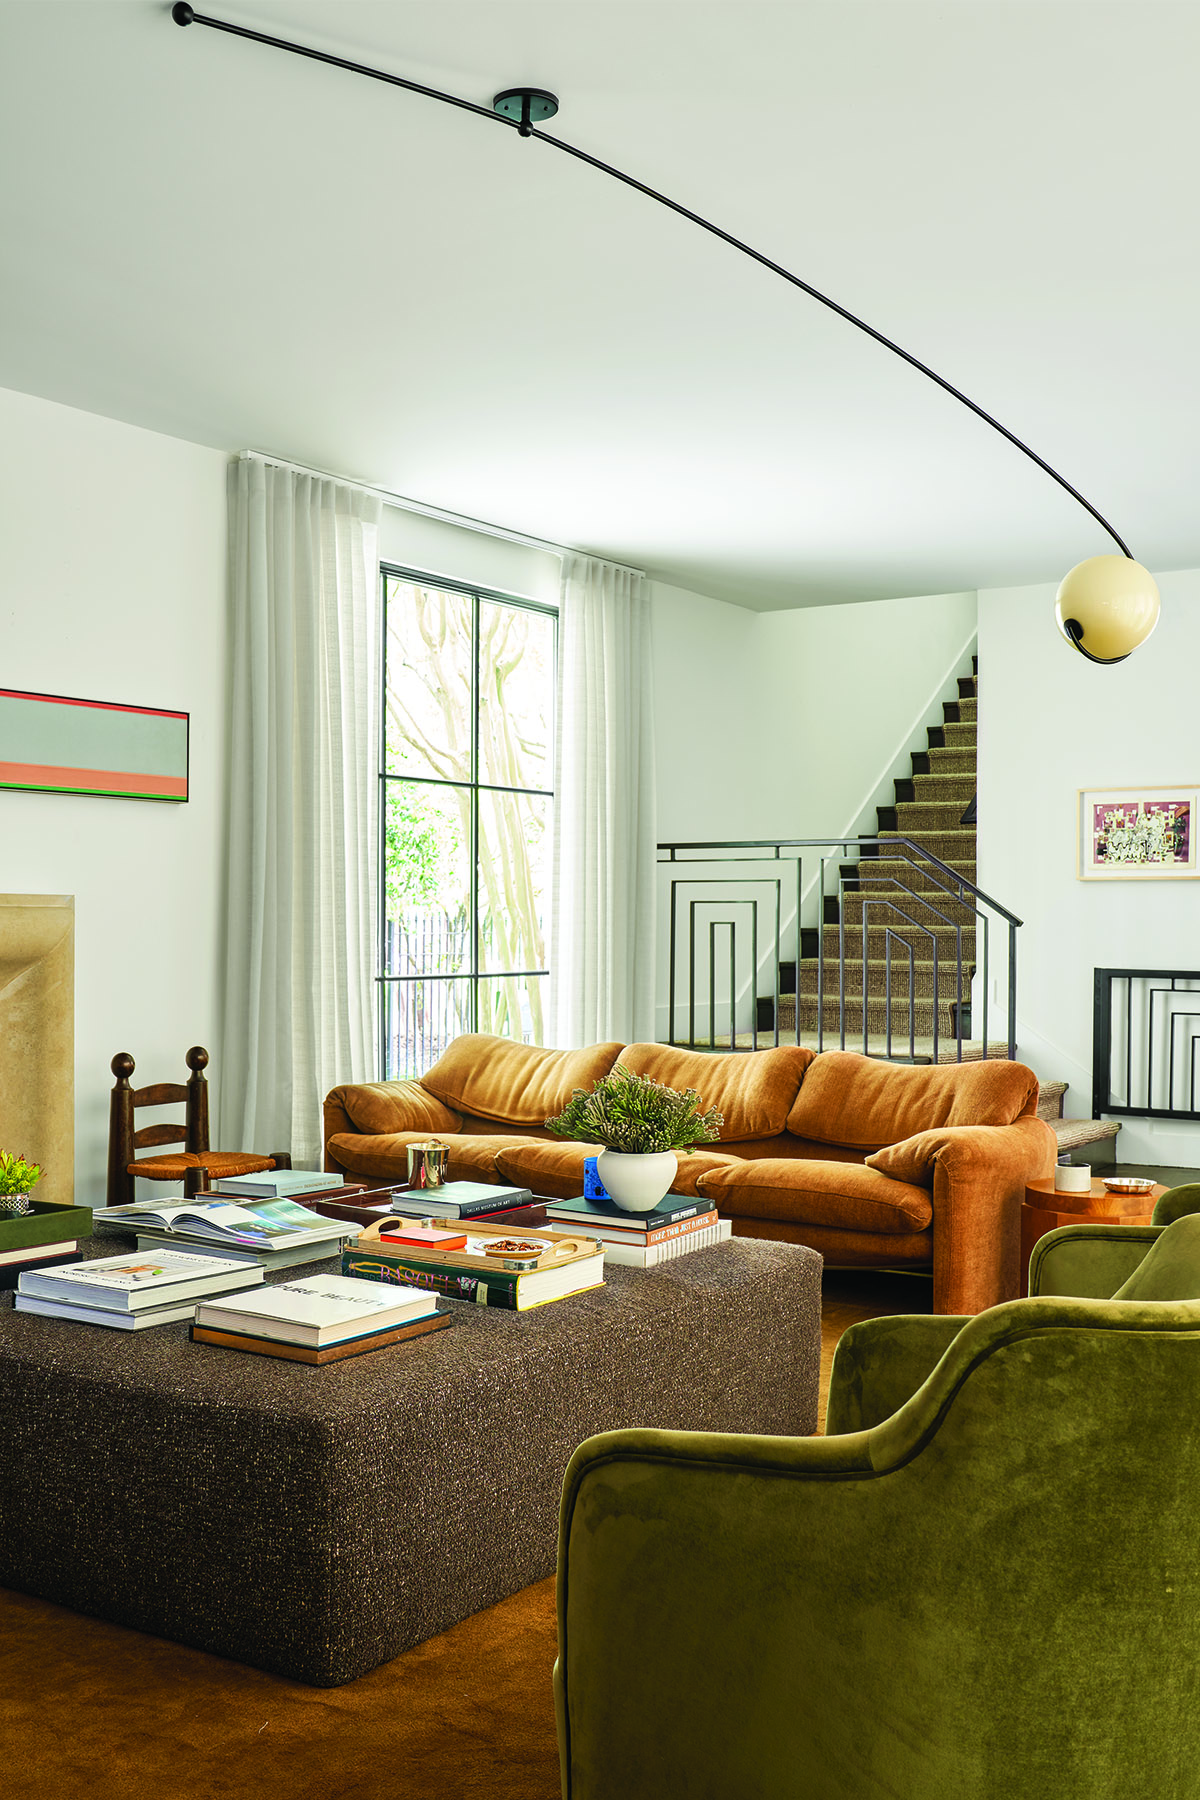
<point x="122" y="1065"/>
<point x="197" y="1058"/>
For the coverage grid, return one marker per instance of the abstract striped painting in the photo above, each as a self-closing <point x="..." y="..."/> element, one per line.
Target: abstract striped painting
<point x="54" y="745"/>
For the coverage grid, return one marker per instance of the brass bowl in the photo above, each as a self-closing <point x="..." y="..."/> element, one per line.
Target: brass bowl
<point x="1128" y="1184"/>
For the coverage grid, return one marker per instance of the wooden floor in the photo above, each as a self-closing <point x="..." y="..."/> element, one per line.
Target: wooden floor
<point x="849" y="1295"/>
<point x="88" y="1708"/>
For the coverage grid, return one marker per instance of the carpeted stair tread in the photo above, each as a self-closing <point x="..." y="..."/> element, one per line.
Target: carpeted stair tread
<point x="950" y="843"/>
<point x="887" y="875"/>
<point x="943" y="789"/>
<point x="877" y="1016"/>
<point x="947" y="1050"/>
<point x="1073" y="1134"/>
<point x="943" y="935"/>
<point x="878" y="979"/>
<point x="1050" y="1099"/>
<point x="959" y="734"/>
<point x="953" y="759"/>
<point x="931" y="817"/>
<point x="968" y="711"/>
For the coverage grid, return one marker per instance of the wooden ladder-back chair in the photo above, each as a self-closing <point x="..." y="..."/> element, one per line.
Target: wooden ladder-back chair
<point x="196" y="1165"/>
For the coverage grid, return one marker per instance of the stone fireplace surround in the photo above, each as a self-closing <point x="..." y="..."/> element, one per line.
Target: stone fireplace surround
<point x="37" y="1037"/>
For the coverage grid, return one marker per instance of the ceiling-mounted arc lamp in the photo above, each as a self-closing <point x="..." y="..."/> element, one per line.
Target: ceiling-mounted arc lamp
<point x="1106" y="606"/>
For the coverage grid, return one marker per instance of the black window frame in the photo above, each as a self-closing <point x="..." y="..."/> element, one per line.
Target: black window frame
<point x="477" y="595"/>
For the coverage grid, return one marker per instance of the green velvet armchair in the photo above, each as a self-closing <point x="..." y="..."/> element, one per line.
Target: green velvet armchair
<point x="982" y="1584"/>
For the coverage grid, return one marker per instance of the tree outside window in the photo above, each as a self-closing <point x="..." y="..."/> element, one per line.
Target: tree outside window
<point x="468" y="737"/>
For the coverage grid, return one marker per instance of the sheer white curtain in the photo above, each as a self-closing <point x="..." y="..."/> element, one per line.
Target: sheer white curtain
<point x="301" y="906"/>
<point x="602" y="915"/>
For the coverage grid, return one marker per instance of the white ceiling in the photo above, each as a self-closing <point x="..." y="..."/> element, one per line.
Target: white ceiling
<point x="216" y="240"/>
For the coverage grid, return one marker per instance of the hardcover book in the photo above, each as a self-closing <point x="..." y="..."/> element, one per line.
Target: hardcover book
<point x="585" y="1213"/>
<point x="316" y="1310"/>
<point x="541" y="1266"/>
<point x="649" y="1256"/>
<point x="138" y="1280"/>
<point x="261" y="1224"/>
<point x="306" y="1353"/>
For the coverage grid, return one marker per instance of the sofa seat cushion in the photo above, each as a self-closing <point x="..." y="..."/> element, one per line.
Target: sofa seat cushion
<point x="557" y="1168"/>
<point x="754" y="1092"/>
<point x="862" y="1102"/>
<point x="514" y="1084"/>
<point x="381" y="1107"/>
<point x="383" y="1156"/>
<point x="847" y="1195"/>
<point x="846" y="1249"/>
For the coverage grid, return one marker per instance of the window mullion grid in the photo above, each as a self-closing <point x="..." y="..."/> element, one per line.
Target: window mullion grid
<point x="474" y="833"/>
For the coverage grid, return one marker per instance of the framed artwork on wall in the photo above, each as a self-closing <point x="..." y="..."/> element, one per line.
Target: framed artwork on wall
<point x="1138" y="834"/>
<point x="51" y="744"/>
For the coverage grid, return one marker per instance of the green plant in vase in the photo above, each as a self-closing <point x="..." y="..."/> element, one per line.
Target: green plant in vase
<point x="17" y="1178"/>
<point x="640" y="1123"/>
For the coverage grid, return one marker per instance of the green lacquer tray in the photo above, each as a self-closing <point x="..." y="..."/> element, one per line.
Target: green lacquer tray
<point x="46" y="1224"/>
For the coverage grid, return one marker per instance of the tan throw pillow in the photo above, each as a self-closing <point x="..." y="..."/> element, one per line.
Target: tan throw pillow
<point x="383" y="1106"/>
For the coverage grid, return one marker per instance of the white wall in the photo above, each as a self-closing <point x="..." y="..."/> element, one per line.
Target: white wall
<point x="113" y="588"/>
<point x="1052" y="723"/>
<point x="794" y="723"/>
<point x="787" y="724"/>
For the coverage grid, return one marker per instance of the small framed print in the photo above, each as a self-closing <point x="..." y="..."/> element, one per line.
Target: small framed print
<point x="1138" y="834"/>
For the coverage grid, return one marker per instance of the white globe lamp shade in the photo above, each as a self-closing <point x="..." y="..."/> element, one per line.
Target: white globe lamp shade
<point x="1106" y="607"/>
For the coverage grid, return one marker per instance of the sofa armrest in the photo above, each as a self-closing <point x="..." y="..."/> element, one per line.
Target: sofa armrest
<point x="336" y="1120"/>
<point x="1089" y="1262"/>
<point x="979" y="1174"/>
<point x="379" y="1108"/>
<point x="880" y="1363"/>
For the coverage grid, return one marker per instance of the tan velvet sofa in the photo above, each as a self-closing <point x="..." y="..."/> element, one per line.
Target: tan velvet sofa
<point x="871" y="1163"/>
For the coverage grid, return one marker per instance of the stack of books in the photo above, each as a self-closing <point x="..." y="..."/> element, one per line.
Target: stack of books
<point x="273" y="1233"/>
<point x="319" y="1319"/>
<point x="677" y="1226"/>
<point x="132" y="1291"/>
<point x="498" y="1266"/>
<point x="453" y="1200"/>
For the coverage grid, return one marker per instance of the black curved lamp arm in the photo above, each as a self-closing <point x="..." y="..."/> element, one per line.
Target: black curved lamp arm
<point x="184" y="14"/>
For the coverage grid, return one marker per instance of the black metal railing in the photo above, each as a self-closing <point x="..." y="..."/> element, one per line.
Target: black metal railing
<point x="933" y="924"/>
<point x="1145" y="1043"/>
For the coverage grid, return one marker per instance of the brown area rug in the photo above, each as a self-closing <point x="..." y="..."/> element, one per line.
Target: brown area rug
<point x="93" y="1710"/>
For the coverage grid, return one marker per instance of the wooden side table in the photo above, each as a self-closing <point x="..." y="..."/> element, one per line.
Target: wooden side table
<point x="1044" y="1210"/>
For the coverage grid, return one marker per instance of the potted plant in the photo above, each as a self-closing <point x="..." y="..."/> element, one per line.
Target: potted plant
<point x="641" y="1123"/>
<point x="17" y="1177"/>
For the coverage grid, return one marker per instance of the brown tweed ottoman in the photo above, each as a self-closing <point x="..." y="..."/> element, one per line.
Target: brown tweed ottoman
<point x="318" y="1521"/>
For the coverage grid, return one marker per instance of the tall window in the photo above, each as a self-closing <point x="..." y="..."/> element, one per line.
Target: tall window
<point x="467" y="788"/>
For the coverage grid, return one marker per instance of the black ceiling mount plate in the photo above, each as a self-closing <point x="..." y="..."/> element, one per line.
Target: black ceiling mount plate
<point x="528" y="106"/>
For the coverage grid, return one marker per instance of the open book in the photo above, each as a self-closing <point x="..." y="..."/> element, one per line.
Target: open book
<point x="262" y="1224"/>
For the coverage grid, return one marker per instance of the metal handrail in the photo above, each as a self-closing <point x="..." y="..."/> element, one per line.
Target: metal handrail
<point x="824" y="843"/>
<point x="943" y="882"/>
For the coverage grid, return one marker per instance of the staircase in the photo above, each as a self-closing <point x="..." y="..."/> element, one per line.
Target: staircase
<point x="934" y="805"/>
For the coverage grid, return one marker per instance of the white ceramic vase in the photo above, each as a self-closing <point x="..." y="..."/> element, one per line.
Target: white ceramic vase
<point x="637" y="1183"/>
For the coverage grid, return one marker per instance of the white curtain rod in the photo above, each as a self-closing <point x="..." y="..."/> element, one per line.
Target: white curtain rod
<point x="438" y="513"/>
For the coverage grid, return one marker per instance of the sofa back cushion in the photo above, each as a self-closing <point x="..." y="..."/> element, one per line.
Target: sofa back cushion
<point x="865" y="1104"/>
<point x="514" y="1084"/>
<point x="754" y="1091"/>
<point x="379" y="1107"/>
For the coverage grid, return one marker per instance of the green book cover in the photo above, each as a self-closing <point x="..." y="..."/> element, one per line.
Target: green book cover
<point x="490" y="1287"/>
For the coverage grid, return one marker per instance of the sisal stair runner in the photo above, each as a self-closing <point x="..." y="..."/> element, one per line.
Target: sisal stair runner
<point x="928" y="807"/>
